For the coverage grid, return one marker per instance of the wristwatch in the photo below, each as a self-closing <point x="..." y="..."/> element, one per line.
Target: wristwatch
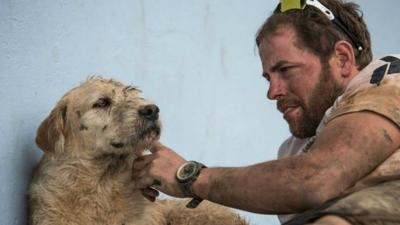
<point x="186" y="175"/>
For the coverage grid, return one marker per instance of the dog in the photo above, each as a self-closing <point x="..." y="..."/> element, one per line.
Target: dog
<point x="90" y="140"/>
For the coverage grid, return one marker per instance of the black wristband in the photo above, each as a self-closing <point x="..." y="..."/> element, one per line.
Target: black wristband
<point x="186" y="175"/>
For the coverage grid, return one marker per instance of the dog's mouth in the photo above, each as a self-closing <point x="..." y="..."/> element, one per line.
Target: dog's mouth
<point x="151" y="129"/>
<point x="146" y="133"/>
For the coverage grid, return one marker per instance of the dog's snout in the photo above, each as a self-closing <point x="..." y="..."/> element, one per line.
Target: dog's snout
<point x="149" y="112"/>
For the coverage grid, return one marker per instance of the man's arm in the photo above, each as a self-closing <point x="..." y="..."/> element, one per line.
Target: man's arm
<point x="348" y="148"/>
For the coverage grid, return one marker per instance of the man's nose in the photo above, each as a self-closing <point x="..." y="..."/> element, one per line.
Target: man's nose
<point x="276" y="88"/>
<point x="149" y="112"/>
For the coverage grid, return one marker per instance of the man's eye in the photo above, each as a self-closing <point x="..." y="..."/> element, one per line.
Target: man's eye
<point x="284" y="69"/>
<point x="102" y="103"/>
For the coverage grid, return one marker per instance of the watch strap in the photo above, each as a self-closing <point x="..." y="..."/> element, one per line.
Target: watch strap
<point x="194" y="202"/>
<point x="187" y="189"/>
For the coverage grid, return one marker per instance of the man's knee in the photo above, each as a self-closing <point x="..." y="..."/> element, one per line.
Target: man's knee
<point x="330" y="220"/>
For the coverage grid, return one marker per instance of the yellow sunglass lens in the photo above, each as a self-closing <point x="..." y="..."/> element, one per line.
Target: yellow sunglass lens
<point x="290" y="4"/>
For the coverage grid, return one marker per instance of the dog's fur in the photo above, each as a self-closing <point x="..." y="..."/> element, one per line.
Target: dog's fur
<point x="90" y="140"/>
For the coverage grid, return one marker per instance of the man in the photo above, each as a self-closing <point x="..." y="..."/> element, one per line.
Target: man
<point x="340" y="167"/>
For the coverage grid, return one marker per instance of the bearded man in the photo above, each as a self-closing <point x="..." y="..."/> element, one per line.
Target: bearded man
<point x="341" y="165"/>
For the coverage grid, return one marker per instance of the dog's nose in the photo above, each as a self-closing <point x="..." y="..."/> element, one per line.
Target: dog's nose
<point x="149" y="112"/>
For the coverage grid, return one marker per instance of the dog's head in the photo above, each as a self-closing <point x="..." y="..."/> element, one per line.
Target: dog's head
<point x="100" y="117"/>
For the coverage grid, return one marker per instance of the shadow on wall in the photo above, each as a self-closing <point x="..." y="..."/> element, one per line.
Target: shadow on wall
<point x="29" y="159"/>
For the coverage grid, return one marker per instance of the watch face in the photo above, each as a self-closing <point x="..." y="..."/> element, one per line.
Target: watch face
<point x="187" y="171"/>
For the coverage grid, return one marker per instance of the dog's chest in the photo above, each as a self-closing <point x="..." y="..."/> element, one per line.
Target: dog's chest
<point x="110" y="204"/>
<point x="79" y="196"/>
<point x="116" y="207"/>
<point x="114" y="200"/>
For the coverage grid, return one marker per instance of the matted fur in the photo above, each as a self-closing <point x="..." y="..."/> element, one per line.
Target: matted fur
<point x="84" y="178"/>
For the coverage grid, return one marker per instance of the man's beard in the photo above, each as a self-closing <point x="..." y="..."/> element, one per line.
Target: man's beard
<point x="321" y="99"/>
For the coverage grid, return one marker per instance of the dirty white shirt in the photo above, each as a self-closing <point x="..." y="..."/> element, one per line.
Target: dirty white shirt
<point x="377" y="89"/>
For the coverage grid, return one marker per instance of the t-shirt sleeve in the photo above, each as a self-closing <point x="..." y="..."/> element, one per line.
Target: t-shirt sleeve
<point x="362" y="95"/>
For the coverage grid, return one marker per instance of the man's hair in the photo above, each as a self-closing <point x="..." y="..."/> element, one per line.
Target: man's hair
<point x="316" y="33"/>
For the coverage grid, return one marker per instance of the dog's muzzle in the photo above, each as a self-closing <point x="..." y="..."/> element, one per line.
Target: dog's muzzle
<point x="153" y="127"/>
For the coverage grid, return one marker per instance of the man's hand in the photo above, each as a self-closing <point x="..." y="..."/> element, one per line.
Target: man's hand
<point x="157" y="171"/>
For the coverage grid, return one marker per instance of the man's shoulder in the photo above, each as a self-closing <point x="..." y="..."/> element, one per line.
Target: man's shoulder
<point x="375" y="89"/>
<point x="375" y="72"/>
<point x="379" y="74"/>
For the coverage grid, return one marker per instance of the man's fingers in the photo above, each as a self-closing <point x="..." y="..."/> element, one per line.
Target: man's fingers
<point x="156" y="147"/>
<point x="142" y="161"/>
<point x="150" y="193"/>
<point x="150" y="198"/>
<point x="137" y="174"/>
<point x="144" y="182"/>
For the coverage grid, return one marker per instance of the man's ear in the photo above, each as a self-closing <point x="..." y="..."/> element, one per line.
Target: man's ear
<point x="346" y="58"/>
<point x="50" y="136"/>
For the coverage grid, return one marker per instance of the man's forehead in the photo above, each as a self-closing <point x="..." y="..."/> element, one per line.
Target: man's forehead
<point x="277" y="55"/>
<point x="282" y="31"/>
<point x="280" y="49"/>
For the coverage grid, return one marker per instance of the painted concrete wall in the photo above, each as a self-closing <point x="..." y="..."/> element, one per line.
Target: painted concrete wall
<point x="196" y="59"/>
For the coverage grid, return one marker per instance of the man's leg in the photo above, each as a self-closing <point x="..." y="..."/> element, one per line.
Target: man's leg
<point x="377" y="205"/>
<point x="330" y="220"/>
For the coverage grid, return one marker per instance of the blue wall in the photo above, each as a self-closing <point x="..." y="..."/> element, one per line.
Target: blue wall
<point x="196" y="59"/>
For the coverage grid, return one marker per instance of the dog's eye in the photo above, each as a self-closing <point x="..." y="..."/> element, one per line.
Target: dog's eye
<point x="102" y="103"/>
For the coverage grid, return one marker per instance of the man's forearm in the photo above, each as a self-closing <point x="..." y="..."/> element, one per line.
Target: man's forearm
<point x="272" y="187"/>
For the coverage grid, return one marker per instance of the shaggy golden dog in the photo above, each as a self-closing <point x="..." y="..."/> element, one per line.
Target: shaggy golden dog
<point x="90" y="140"/>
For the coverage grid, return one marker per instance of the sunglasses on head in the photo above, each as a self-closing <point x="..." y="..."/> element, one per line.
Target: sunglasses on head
<point x="286" y="5"/>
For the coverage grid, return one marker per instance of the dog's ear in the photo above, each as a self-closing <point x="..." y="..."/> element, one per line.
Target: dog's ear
<point x="50" y="136"/>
